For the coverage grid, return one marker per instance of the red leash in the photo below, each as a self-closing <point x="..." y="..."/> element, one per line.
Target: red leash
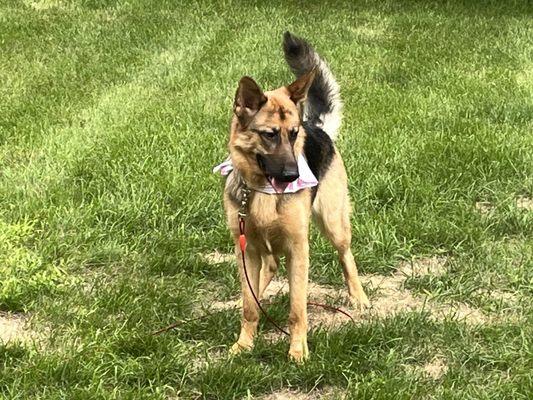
<point x="242" y="244"/>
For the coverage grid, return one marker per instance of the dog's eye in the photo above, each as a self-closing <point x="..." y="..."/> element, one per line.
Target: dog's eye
<point x="293" y="133"/>
<point x="269" y="134"/>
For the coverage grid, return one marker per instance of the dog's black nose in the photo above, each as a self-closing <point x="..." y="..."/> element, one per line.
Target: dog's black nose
<point x="290" y="174"/>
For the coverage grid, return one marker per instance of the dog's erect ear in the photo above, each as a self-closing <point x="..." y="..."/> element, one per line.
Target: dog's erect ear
<point x="248" y="100"/>
<point x="299" y="88"/>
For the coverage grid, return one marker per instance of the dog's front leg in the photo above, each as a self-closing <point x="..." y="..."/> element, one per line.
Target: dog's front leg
<point x="298" y="268"/>
<point x="250" y="310"/>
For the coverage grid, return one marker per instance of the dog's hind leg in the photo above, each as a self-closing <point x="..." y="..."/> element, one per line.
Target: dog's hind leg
<point x="331" y="210"/>
<point x="268" y="270"/>
<point x="334" y="222"/>
<point x="250" y="310"/>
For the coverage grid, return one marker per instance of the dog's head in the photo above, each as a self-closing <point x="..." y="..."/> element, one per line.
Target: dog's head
<point x="266" y="135"/>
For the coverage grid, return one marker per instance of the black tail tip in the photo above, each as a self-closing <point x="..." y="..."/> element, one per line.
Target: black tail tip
<point x="287" y="36"/>
<point x="292" y="44"/>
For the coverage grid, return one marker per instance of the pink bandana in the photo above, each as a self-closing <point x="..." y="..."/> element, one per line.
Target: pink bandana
<point x="305" y="180"/>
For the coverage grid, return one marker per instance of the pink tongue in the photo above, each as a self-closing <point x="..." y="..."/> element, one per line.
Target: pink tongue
<point x="279" y="187"/>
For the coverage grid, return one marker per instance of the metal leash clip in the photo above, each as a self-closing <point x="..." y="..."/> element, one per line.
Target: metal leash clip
<point x="244" y="201"/>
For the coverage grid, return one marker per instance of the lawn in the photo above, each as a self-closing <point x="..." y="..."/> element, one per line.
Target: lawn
<point x="112" y="115"/>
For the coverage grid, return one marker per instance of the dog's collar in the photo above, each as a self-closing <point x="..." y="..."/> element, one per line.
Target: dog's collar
<point x="245" y="196"/>
<point x="306" y="179"/>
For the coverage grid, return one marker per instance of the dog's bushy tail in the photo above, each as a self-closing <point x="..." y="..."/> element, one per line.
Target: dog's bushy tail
<point x="323" y="106"/>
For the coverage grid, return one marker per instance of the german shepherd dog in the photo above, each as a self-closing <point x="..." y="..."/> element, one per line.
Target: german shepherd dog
<point x="269" y="132"/>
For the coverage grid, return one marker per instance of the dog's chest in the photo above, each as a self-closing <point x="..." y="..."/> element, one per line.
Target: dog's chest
<point x="266" y="211"/>
<point x="265" y="227"/>
<point x="273" y="220"/>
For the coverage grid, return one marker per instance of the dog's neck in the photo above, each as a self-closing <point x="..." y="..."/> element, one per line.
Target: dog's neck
<point x="237" y="186"/>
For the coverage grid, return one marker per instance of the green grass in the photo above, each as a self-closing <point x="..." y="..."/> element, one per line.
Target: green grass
<point x="112" y="115"/>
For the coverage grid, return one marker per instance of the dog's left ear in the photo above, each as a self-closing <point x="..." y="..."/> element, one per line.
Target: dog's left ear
<point x="299" y="88"/>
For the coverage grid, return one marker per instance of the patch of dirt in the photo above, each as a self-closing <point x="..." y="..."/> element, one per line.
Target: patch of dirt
<point x="435" y="266"/>
<point x="390" y="298"/>
<point x="316" y="291"/>
<point x="320" y="316"/>
<point x="226" y="305"/>
<point x="525" y="203"/>
<point x="45" y="4"/>
<point x="13" y="328"/>
<point x="393" y="298"/>
<point x="459" y="312"/>
<point x="201" y="361"/>
<point x="217" y="257"/>
<point x="436" y="368"/>
<point x="275" y="288"/>
<point x="484" y="207"/>
<point x="507" y="297"/>
<point x="286" y="394"/>
<point x="317" y="316"/>
<point x="522" y="202"/>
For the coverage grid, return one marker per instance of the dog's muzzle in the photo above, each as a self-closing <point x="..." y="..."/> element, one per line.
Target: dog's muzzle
<point x="278" y="168"/>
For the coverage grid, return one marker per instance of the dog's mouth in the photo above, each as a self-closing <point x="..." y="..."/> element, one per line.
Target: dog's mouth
<point x="278" y="173"/>
<point x="278" y="186"/>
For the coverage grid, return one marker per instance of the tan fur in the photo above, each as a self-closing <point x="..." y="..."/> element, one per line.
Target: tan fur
<point x="279" y="224"/>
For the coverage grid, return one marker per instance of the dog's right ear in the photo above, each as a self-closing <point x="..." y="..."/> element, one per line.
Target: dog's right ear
<point x="248" y="100"/>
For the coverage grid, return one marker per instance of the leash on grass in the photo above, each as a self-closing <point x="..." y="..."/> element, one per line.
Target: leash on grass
<point x="242" y="244"/>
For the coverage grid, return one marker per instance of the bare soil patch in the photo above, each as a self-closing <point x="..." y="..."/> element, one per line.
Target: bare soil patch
<point x="13" y="328"/>
<point x="46" y="4"/>
<point x="525" y="203"/>
<point x="521" y="202"/>
<point x="507" y="298"/>
<point x="435" y="369"/>
<point x="393" y="297"/>
<point x="226" y="305"/>
<point x="484" y="207"/>
<point x="422" y="266"/>
<point x="286" y="394"/>
<point x="390" y="298"/>
<point x="217" y="257"/>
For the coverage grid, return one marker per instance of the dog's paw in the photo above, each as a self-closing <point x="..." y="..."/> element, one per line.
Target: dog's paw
<point x="239" y="348"/>
<point x="360" y="301"/>
<point x="299" y="352"/>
